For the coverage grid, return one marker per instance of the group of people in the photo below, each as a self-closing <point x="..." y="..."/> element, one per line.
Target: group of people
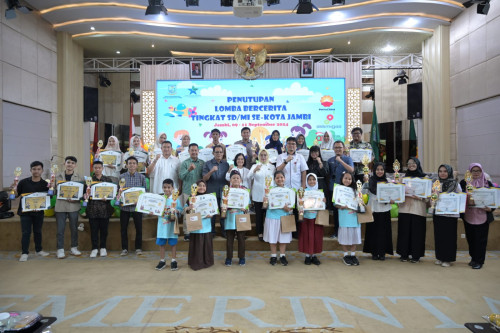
<point x="291" y="170"/>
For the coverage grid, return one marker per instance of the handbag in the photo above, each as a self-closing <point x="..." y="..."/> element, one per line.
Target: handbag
<point x="288" y="223"/>
<point x="367" y="216"/>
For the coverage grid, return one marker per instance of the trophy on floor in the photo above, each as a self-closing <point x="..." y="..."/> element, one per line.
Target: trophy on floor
<point x="300" y="194"/>
<point x="469" y="188"/>
<point x="175" y="195"/>
<point x="194" y="190"/>
<point x="225" y="193"/>
<point x="53" y="172"/>
<point x="267" y="182"/>
<point x="396" y="167"/>
<point x="17" y="174"/>
<point x="436" y="189"/>
<point x="365" y="161"/>
<point x="359" y="197"/>
<point x="88" y="182"/>
<point x="121" y="183"/>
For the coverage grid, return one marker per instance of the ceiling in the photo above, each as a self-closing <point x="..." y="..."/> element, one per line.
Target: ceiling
<point x="359" y="27"/>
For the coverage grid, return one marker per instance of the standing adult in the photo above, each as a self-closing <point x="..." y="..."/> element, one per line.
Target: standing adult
<point x="132" y="179"/>
<point x="215" y="135"/>
<point x="275" y="143"/>
<point x="327" y="142"/>
<point x="67" y="209"/>
<point x="251" y="146"/>
<point x="239" y="165"/>
<point x="320" y="170"/>
<point x="214" y="174"/>
<point x="357" y="143"/>
<point x="33" y="219"/>
<point x="337" y="165"/>
<point x="157" y="151"/>
<point x="477" y="220"/>
<point x="164" y="166"/>
<point x="258" y="174"/>
<point x="301" y="142"/>
<point x="139" y="153"/>
<point x="412" y="219"/>
<point x="157" y="147"/>
<point x="185" y="142"/>
<point x="113" y="171"/>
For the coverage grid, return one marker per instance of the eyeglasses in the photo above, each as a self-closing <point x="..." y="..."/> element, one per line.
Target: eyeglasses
<point x="476" y="170"/>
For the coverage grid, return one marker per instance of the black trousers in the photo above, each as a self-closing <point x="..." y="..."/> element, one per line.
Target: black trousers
<point x="98" y="226"/>
<point x="411" y="236"/>
<point x="335" y="221"/>
<point x="124" y="218"/>
<point x="445" y="238"/>
<point x="477" y="238"/>
<point x="378" y="235"/>
<point x="28" y="222"/>
<point x="240" y="235"/>
<point x="260" y="216"/>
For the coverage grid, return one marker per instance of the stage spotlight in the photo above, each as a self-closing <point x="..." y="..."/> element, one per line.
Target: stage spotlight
<point x="226" y="3"/>
<point x="401" y="77"/>
<point x="104" y="81"/>
<point x="483" y="6"/>
<point x="12" y="5"/>
<point x="305" y="7"/>
<point x="135" y="98"/>
<point x="194" y="3"/>
<point x="371" y="94"/>
<point x="273" y="2"/>
<point x="156" y="7"/>
<point x="338" y="2"/>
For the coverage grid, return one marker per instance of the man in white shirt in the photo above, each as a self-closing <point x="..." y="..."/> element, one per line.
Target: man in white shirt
<point x="164" y="166"/>
<point x="293" y="165"/>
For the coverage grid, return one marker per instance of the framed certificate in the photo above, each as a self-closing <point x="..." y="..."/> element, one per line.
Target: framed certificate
<point x="273" y="155"/>
<point x="326" y="154"/>
<point x="390" y="191"/>
<point x="150" y="203"/>
<point x="419" y="187"/>
<point x="358" y="154"/>
<point x="280" y="196"/>
<point x="448" y="204"/>
<point x="206" y="154"/>
<point x="233" y="150"/>
<point x="35" y="201"/>
<point x="103" y="191"/>
<point x="313" y="200"/>
<point x="304" y="153"/>
<point x="183" y="155"/>
<point x="206" y="205"/>
<point x="345" y="196"/>
<point x="485" y="197"/>
<point x="111" y="157"/>
<point x="131" y="195"/>
<point x="70" y="191"/>
<point x="238" y="198"/>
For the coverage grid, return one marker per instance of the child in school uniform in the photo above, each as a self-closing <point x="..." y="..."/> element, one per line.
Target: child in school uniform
<point x="165" y="230"/>
<point x="311" y="234"/>
<point x="349" y="228"/>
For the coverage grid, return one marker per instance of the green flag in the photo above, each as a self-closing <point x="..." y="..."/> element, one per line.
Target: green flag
<point x="375" y="135"/>
<point x="413" y="140"/>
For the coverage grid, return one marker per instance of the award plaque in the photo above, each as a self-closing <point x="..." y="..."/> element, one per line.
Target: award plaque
<point x="103" y="191"/>
<point x="69" y="191"/>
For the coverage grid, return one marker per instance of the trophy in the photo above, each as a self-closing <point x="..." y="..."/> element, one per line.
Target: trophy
<point x="121" y="183"/>
<point x="254" y="148"/>
<point x="225" y="192"/>
<point x="99" y="146"/>
<point x="365" y="161"/>
<point x="175" y="195"/>
<point x="436" y="188"/>
<point x="152" y="153"/>
<point x="194" y="190"/>
<point x="88" y="182"/>
<point x="346" y="147"/>
<point x="17" y="173"/>
<point x="53" y="171"/>
<point x="300" y="194"/>
<point x="268" y="182"/>
<point x="396" y="166"/>
<point x="359" y="197"/>
<point x="469" y="188"/>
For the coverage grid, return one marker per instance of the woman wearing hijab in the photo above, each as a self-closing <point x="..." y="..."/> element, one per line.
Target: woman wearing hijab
<point x="477" y="220"/>
<point x="412" y="219"/>
<point x="275" y="143"/>
<point x="327" y="142"/>
<point x="321" y="170"/>
<point x="111" y="170"/>
<point x="185" y="142"/>
<point x="301" y="142"/>
<point x="378" y="234"/>
<point x="445" y="226"/>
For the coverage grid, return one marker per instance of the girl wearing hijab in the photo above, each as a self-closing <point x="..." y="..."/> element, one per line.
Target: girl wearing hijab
<point x="477" y="220"/>
<point x="301" y="142"/>
<point x="258" y="174"/>
<point x="275" y="143"/>
<point x="412" y="219"/>
<point x="378" y="234"/>
<point x="111" y="170"/>
<point x="445" y="226"/>
<point x="321" y="170"/>
<point x="327" y="142"/>
<point x="311" y="234"/>
<point x="136" y="145"/>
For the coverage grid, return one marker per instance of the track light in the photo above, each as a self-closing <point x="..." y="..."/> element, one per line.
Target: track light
<point x="193" y="3"/>
<point x="305" y="7"/>
<point x="483" y="6"/>
<point x="12" y="5"/>
<point x="226" y="3"/>
<point x="104" y="81"/>
<point x="273" y="2"/>
<point x="135" y="98"/>
<point x="156" y="7"/>
<point x="401" y="77"/>
<point x="338" y="2"/>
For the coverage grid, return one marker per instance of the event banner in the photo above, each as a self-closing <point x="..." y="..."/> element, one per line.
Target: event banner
<point x="292" y="106"/>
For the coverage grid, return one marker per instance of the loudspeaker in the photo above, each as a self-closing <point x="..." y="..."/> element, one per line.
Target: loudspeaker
<point x="414" y="100"/>
<point x="90" y="104"/>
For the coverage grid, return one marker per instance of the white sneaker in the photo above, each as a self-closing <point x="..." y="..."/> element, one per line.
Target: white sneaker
<point x="104" y="253"/>
<point x="24" y="257"/>
<point x="138" y="252"/>
<point x="438" y="262"/>
<point x="93" y="254"/>
<point x="42" y="253"/>
<point x="75" y="252"/>
<point x="81" y="227"/>
<point x="60" y="254"/>
<point x="124" y="253"/>
<point x="445" y="264"/>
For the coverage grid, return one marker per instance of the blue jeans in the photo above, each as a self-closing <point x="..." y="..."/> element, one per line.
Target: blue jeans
<point x="61" y="227"/>
<point x="28" y="221"/>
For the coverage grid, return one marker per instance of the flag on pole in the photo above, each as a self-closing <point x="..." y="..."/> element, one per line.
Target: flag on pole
<point x="375" y="135"/>
<point x="413" y="150"/>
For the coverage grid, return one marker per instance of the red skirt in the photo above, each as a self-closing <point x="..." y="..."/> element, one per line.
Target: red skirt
<point x="310" y="237"/>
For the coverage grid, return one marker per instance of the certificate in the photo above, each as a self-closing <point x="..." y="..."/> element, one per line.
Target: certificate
<point x="281" y="196"/>
<point x="35" y="201"/>
<point x="326" y="154"/>
<point x="313" y="200"/>
<point x="238" y="198"/>
<point x="103" y="191"/>
<point x="273" y="154"/>
<point x="485" y="197"/>
<point x="345" y="196"/>
<point x="70" y="191"/>
<point x="463" y="201"/>
<point x="131" y="195"/>
<point x="150" y="203"/>
<point x="206" y="205"/>
<point x="358" y="154"/>
<point x="390" y="191"/>
<point x="448" y="204"/>
<point x="419" y="187"/>
<point x="304" y="152"/>
<point x="111" y="157"/>
<point x="183" y="155"/>
<point x="233" y="150"/>
<point x="206" y="154"/>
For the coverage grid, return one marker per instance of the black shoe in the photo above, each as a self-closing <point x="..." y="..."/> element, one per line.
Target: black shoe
<point x="283" y="261"/>
<point x="381" y="258"/>
<point x="347" y="260"/>
<point x="354" y="261"/>
<point x="477" y="266"/>
<point x="173" y="266"/>
<point x="161" y="265"/>
<point x="315" y="261"/>
<point x="186" y="238"/>
<point x="273" y="261"/>
<point x="374" y="257"/>
<point x="472" y="263"/>
<point x="414" y="260"/>
<point x="333" y="236"/>
<point x="261" y="239"/>
<point x="307" y="261"/>
<point x="403" y="259"/>
<point x="224" y="234"/>
<point x="228" y="262"/>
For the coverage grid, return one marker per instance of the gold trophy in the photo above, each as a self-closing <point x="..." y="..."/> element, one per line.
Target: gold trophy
<point x="365" y="161"/>
<point x="121" y="183"/>
<point x="99" y="146"/>
<point x="359" y="197"/>
<point x="88" y="182"/>
<point x="194" y="190"/>
<point x="175" y="195"/>
<point x="152" y="155"/>
<point x="436" y="189"/>
<point x="225" y="192"/>
<point x="53" y="171"/>
<point x="268" y="182"/>
<point x="300" y="194"/>
<point x="469" y="188"/>
<point x="17" y="173"/>
<point x="396" y="167"/>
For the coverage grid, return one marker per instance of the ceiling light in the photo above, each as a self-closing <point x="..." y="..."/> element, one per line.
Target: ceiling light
<point x="336" y="16"/>
<point x="483" y="6"/>
<point x="92" y="28"/>
<point x="12" y="5"/>
<point x="338" y="2"/>
<point x="410" y="23"/>
<point x="103" y="81"/>
<point x="305" y="7"/>
<point x="226" y="3"/>
<point x="194" y="3"/>
<point x="156" y="7"/>
<point x="273" y="2"/>
<point x="388" y="48"/>
<point x="348" y="42"/>
<point x="117" y="52"/>
<point x="152" y="45"/>
<point x="402" y="77"/>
